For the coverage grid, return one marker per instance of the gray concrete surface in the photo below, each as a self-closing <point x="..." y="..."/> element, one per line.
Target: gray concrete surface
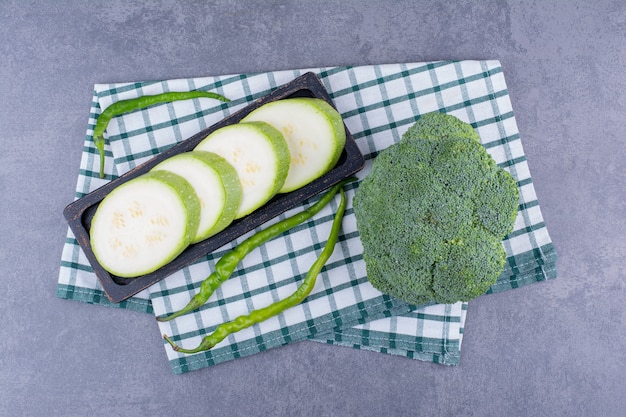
<point x="556" y="348"/>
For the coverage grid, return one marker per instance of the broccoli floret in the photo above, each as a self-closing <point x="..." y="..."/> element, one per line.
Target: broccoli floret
<point x="472" y="264"/>
<point x="495" y="202"/>
<point x="432" y="214"/>
<point x="436" y="126"/>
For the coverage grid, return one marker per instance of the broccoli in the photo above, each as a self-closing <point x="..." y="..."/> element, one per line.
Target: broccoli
<point x="432" y="214"/>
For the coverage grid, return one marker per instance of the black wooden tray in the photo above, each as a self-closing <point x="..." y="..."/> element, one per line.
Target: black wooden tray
<point x="79" y="213"/>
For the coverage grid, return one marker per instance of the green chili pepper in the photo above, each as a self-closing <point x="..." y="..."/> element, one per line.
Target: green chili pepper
<point x="131" y="105"/>
<point x="278" y="307"/>
<point x="227" y="264"/>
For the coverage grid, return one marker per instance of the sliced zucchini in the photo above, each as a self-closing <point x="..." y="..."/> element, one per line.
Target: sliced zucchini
<point x="144" y="224"/>
<point x="314" y="132"/>
<point x="260" y="156"/>
<point x="216" y="184"/>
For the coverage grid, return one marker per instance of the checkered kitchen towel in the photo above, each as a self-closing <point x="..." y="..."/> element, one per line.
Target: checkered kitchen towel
<point x="378" y="103"/>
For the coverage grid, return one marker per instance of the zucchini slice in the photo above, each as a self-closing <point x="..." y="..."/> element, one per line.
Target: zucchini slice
<point x="144" y="224"/>
<point x="260" y="156"/>
<point x="216" y="184"/>
<point x="314" y="132"/>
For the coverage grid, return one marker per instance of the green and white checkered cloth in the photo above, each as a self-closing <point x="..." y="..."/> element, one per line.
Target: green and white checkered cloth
<point x="378" y="104"/>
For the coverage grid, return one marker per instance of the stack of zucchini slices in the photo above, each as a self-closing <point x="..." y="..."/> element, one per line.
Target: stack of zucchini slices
<point x="148" y="221"/>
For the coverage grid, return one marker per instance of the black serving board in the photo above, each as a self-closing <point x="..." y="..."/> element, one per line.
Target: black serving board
<point x="79" y="213"/>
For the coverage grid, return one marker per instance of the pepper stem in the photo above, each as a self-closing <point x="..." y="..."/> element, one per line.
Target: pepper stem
<point x="204" y="345"/>
<point x="193" y="304"/>
<point x="101" y="164"/>
<point x="99" y="142"/>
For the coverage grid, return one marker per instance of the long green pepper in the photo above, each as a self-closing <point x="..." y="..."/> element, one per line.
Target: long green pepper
<point x="257" y="316"/>
<point x="227" y="263"/>
<point x="127" y="106"/>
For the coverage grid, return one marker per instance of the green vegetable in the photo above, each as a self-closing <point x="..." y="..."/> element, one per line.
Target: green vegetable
<point x="260" y="156"/>
<point x="216" y="184"/>
<point x="314" y="132"/>
<point x="432" y="214"/>
<point x="278" y="307"/>
<point x="127" y="106"/>
<point x="227" y="264"/>
<point x="144" y="223"/>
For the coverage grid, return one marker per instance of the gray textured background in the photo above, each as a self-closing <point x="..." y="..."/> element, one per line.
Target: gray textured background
<point x="556" y="348"/>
